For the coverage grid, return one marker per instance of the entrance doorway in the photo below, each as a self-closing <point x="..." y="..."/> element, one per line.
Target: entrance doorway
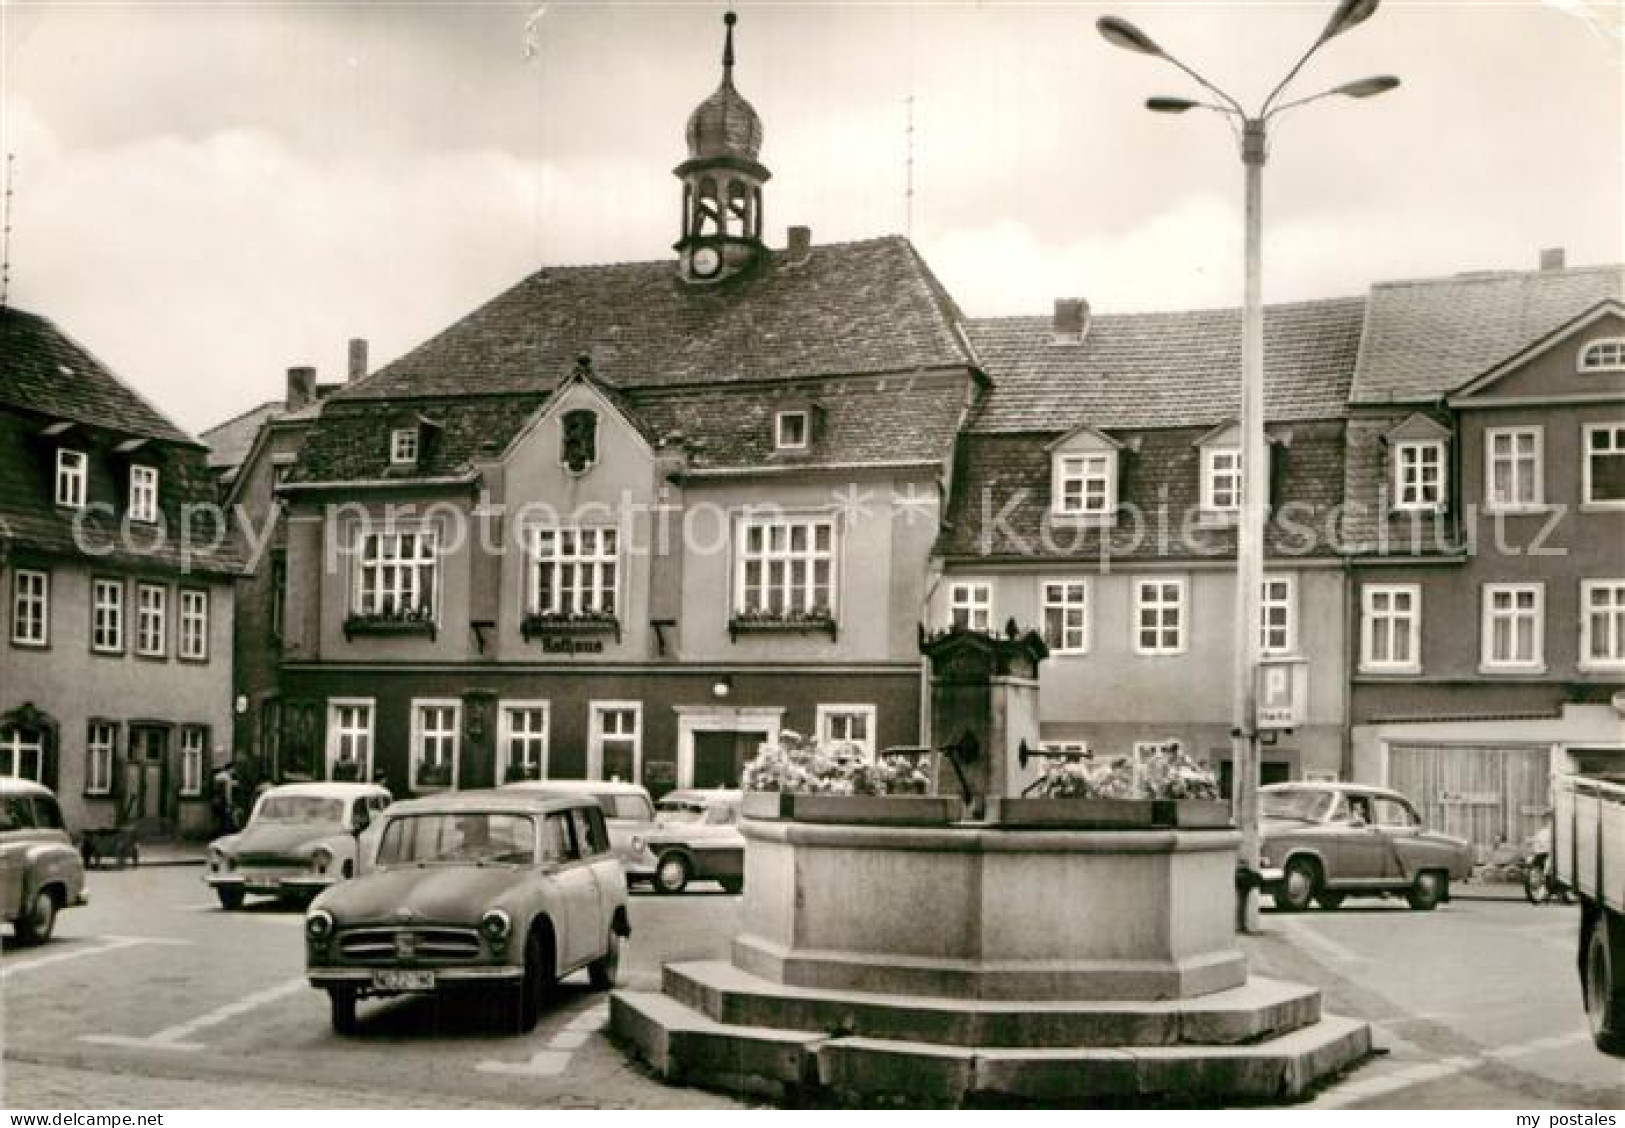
<point x="145" y="772"/>
<point x="720" y="756"/>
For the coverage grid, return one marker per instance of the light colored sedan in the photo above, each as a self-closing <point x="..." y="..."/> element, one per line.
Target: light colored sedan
<point x="697" y="839"/>
<point x="40" y="871"/>
<point x="1323" y="842"/>
<point x="300" y="839"/>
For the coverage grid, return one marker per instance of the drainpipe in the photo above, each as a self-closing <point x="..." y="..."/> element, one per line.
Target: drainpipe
<point x="1351" y="663"/>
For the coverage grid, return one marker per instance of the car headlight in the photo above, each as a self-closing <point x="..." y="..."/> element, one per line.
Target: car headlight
<point x="637" y="844"/>
<point x="319" y="926"/>
<point x="496" y="926"/>
<point x="320" y="859"/>
<point x="1264" y="861"/>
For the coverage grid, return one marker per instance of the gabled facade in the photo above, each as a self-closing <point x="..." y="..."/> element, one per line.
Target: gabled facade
<point x="1095" y="499"/>
<point x="1489" y="542"/>
<point x="631" y="520"/>
<point x="116" y="572"/>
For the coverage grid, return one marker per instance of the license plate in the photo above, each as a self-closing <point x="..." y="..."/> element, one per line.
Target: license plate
<point x="402" y="979"/>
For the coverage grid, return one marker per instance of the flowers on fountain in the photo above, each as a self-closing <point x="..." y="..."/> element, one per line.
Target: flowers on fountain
<point x="798" y="765"/>
<point x="1163" y="774"/>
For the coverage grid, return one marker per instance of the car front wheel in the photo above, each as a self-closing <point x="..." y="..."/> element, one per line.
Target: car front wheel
<point x="1427" y="891"/>
<point x="36" y="925"/>
<point x="1297" y="887"/>
<point x="341" y="1005"/>
<point x="231" y="897"/>
<point x="672" y="874"/>
<point x="537" y="980"/>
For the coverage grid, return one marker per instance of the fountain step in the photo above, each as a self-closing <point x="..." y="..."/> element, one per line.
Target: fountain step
<point x="1262" y="1008"/>
<point x="684" y="1045"/>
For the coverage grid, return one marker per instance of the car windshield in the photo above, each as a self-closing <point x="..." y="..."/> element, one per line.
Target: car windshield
<point x="676" y="813"/>
<point x="625" y="806"/>
<point x="1296" y="803"/>
<point x="463" y="838"/>
<point x="300" y="809"/>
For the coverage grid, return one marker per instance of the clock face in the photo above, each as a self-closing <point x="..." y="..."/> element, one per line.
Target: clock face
<point x="705" y="261"/>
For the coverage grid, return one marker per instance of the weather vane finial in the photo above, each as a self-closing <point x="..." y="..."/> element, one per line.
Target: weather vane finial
<point x="728" y="48"/>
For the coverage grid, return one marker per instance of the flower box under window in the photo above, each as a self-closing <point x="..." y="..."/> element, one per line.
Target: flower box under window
<point x="410" y="622"/>
<point x="536" y="626"/>
<point x="816" y="621"/>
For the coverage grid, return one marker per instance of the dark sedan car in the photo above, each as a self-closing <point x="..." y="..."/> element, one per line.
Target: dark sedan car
<point x="1323" y="842"/>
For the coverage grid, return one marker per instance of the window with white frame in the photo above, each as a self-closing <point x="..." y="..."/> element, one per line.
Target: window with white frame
<point x="787" y="567"/>
<point x="1513" y="628"/>
<point x="1604" y="470"/>
<point x="1159" y="616"/>
<point x="1419" y="481"/>
<point x="435" y="744"/>
<point x="151" y="620"/>
<point x="522" y="741"/>
<point x="30" y="607"/>
<point x="1513" y="472"/>
<point x="790" y="430"/>
<point x="1066" y="616"/>
<point x="22" y="753"/>
<point x="1277" y="616"/>
<point x="70" y="478"/>
<point x="615" y="741"/>
<point x="194" y="756"/>
<point x="1221" y="479"/>
<point x="403" y="446"/>
<point x="1606" y="355"/>
<point x="574" y="570"/>
<point x="847" y="724"/>
<point x="349" y="739"/>
<point x="396" y="574"/>
<point x="1391" y="627"/>
<point x="194" y="625"/>
<point x="107" y="616"/>
<point x="143" y="493"/>
<point x="1084" y="484"/>
<point x="970" y="605"/>
<point x="1602" y="624"/>
<point x="101" y="738"/>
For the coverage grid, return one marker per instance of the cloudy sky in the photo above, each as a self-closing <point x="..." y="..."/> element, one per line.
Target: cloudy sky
<point x="207" y="193"/>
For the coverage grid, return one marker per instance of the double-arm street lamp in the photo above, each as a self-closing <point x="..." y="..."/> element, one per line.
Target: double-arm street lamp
<point x="1255" y="478"/>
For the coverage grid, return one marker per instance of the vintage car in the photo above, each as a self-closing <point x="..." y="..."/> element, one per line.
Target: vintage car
<point x="1323" y="842"/>
<point x="502" y="888"/>
<point x="300" y="838"/>
<point x="40" y="872"/>
<point x="628" y="811"/>
<point x="696" y="838"/>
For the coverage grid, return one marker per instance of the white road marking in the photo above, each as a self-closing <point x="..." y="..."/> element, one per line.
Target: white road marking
<point x="114" y="943"/>
<point x="1382" y="1084"/>
<point x="553" y="1060"/>
<point x="173" y="1037"/>
<point x="1540" y="1045"/>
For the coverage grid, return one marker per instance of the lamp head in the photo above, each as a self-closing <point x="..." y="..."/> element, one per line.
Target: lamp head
<point x="1162" y="105"/>
<point x="1349" y="14"/>
<point x="1120" y="33"/>
<point x="1367" y="87"/>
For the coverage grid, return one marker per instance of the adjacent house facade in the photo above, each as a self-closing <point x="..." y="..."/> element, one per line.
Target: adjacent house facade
<point x="1486" y="479"/>
<point x="1095" y="498"/>
<point x="115" y="665"/>
<point x="630" y="521"/>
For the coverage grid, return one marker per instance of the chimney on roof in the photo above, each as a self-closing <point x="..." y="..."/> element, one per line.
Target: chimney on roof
<point x="1552" y="258"/>
<point x="1071" y="320"/>
<point x="358" y="359"/>
<point x="301" y="389"/>
<point x="800" y="243"/>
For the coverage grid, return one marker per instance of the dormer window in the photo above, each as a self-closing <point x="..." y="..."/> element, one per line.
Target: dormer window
<point x="70" y="478"/>
<point x="403" y="446"/>
<point x="578" y="440"/>
<point x="1419" y="475"/>
<point x="1085" y="485"/>
<point x="1606" y="355"/>
<point x="143" y="493"/>
<point x="1221" y="480"/>
<point x="790" y="430"/>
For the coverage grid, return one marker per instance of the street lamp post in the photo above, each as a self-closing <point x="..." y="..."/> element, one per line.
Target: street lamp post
<point x="1255" y="477"/>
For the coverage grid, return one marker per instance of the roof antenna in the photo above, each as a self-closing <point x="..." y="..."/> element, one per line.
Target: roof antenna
<point x="5" y="230"/>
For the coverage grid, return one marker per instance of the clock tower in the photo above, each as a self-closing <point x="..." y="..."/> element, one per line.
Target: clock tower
<point x="722" y="182"/>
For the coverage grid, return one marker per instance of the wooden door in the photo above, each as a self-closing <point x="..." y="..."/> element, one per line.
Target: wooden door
<point x="1488" y="795"/>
